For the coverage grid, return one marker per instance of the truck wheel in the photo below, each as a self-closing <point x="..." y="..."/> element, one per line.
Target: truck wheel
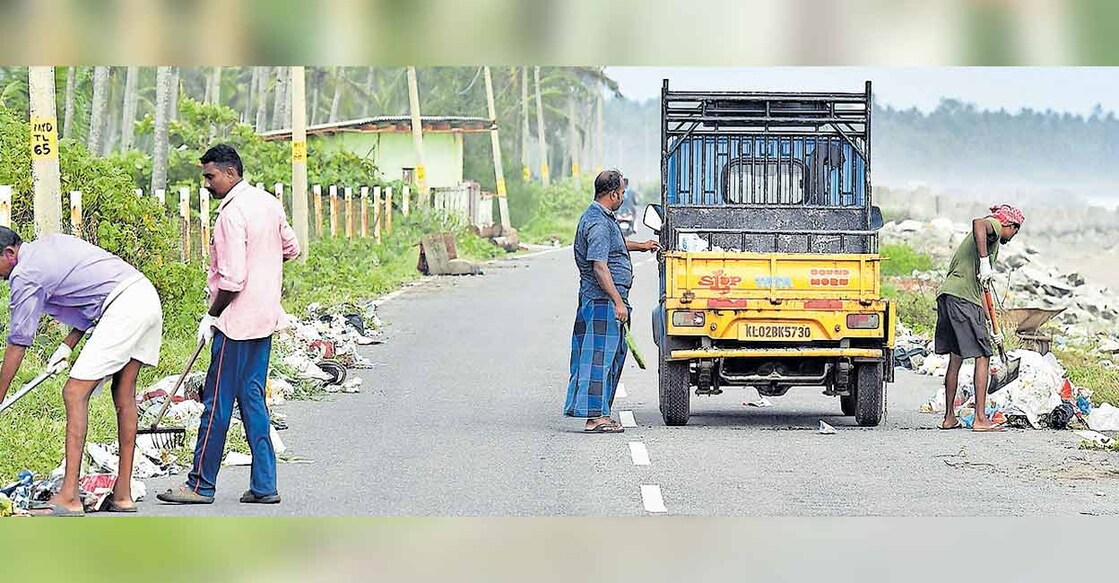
<point x="869" y="392"/>
<point x="674" y="397"/>
<point x="847" y="403"/>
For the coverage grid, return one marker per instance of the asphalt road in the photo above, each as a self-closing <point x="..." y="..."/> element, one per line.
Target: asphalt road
<point x="462" y="415"/>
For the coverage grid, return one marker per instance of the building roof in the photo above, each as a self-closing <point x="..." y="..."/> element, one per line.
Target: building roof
<point x="456" y="124"/>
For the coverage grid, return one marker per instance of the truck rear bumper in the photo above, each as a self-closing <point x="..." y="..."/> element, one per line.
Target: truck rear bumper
<point x="867" y="353"/>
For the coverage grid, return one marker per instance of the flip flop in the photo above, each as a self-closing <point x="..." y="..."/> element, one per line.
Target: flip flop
<point x="996" y="427"/>
<point x="111" y="506"/>
<point x="607" y="427"/>
<point x="59" y="511"/>
<point x="958" y="425"/>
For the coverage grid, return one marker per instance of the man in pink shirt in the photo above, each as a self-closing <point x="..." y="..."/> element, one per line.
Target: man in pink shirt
<point x="252" y="239"/>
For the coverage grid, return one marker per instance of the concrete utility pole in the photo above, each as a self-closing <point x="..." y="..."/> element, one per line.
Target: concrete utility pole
<point x="45" y="175"/>
<point x="417" y="134"/>
<point x="526" y="171"/>
<point x="495" y="142"/>
<point x="544" y="178"/>
<point x="299" y="160"/>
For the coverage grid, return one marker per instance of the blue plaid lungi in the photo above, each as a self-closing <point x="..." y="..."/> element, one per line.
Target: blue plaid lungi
<point x="598" y="353"/>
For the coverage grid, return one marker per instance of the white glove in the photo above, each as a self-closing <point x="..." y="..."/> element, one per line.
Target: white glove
<point x="996" y="338"/>
<point x="985" y="272"/>
<point x="206" y="329"/>
<point x="60" y="360"/>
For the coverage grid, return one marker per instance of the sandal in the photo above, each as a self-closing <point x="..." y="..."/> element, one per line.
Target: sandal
<point x="184" y="495"/>
<point x="995" y="427"/>
<point x="605" y="427"/>
<point x="958" y="425"/>
<point x="59" y="511"/>
<point x="111" y="506"/>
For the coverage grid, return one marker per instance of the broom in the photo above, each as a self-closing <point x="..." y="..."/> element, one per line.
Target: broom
<point x="632" y="344"/>
<point x="170" y="437"/>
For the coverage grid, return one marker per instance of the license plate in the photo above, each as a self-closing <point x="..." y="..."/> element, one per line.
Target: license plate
<point x="761" y="331"/>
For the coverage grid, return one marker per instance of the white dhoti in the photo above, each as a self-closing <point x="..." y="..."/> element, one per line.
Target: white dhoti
<point x="131" y="327"/>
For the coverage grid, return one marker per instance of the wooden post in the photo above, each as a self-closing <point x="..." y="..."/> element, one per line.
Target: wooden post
<point x="161" y="196"/>
<point x="204" y="221"/>
<point x="184" y="221"/>
<point x="364" y="212"/>
<point x="541" y="141"/>
<point x="405" y="194"/>
<point x="316" y="194"/>
<point x="46" y="177"/>
<point x="495" y="143"/>
<point x="333" y="210"/>
<point x="378" y="213"/>
<point x="388" y="210"/>
<point x="76" y="213"/>
<point x="139" y="193"/>
<point x="349" y="198"/>
<point x="6" y="206"/>
<point x="417" y="139"/>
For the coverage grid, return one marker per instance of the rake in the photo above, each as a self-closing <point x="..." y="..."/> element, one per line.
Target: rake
<point x="170" y="437"/>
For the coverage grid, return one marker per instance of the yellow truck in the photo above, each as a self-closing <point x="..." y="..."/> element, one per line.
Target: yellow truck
<point x="770" y="275"/>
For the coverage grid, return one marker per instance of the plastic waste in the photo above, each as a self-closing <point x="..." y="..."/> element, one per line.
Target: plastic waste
<point x="1104" y="418"/>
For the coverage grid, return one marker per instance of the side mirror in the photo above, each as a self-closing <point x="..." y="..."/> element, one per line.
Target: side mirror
<point x="876" y="221"/>
<point x="654" y="217"/>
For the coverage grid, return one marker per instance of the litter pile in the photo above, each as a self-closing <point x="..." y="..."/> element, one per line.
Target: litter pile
<point x="310" y="356"/>
<point x="1085" y="313"/>
<point x="1042" y="396"/>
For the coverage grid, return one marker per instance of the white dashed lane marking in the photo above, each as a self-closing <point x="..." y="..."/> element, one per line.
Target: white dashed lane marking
<point x="652" y="499"/>
<point x="639" y="453"/>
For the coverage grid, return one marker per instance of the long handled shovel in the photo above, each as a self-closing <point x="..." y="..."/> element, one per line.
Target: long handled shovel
<point x="1008" y="372"/>
<point x="170" y="437"/>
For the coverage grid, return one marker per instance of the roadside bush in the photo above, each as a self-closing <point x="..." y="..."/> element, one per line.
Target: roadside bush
<point x="544" y="214"/>
<point x="903" y="260"/>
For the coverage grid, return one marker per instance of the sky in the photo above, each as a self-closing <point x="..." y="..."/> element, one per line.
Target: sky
<point x="1065" y="89"/>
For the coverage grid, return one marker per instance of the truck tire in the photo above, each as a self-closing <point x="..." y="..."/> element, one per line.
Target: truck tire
<point x="675" y="400"/>
<point x="869" y="392"/>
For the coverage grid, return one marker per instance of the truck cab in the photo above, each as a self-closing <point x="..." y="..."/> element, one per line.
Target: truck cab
<point x="770" y="275"/>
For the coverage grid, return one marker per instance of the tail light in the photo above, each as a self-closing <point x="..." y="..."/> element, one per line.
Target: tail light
<point x="862" y="321"/>
<point x="688" y="318"/>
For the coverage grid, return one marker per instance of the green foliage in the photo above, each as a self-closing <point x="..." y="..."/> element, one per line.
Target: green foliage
<point x="265" y="161"/>
<point x="1084" y="370"/>
<point x="903" y="260"/>
<point x="544" y="214"/>
<point x="916" y="308"/>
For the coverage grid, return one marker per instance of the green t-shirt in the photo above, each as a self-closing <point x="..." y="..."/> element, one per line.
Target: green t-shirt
<point x="963" y="271"/>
